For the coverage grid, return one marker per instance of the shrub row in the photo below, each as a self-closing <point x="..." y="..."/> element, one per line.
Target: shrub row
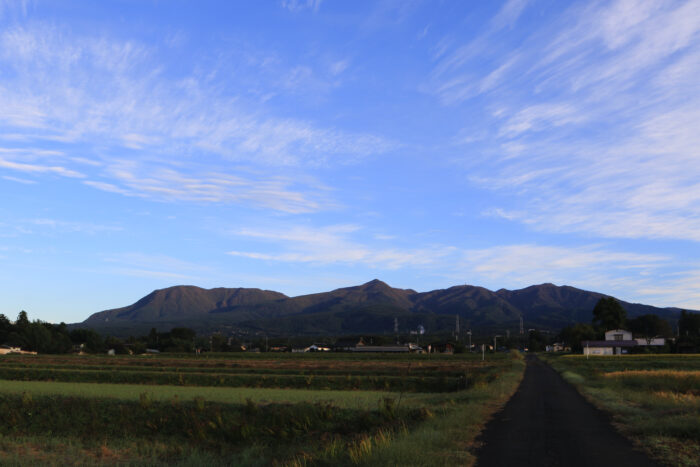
<point x="455" y="371"/>
<point x="332" y="382"/>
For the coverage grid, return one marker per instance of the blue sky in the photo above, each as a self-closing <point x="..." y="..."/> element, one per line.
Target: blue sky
<point x="302" y="146"/>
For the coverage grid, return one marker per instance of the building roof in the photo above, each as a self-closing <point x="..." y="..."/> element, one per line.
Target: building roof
<point x="630" y="343"/>
<point x="381" y="348"/>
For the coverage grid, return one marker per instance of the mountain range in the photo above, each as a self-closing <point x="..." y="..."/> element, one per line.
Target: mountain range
<point x="368" y="308"/>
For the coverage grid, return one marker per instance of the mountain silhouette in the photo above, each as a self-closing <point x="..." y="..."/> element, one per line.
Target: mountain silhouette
<point x="368" y="308"/>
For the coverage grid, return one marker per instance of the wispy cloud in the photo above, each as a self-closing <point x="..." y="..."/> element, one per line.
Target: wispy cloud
<point x="113" y="97"/>
<point x="38" y="169"/>
<point x="508" y="14"/>
<point x="655" y="279"/>
<point x="46" y="227"/>
<point x="43" y="226"/>
<point x="570" y="137"/>
<point x="529" y="263"/>
<point x="23" y="181"/>
<point x="454" y="78"/>
<point x="68" y="226"/>
<point x="165" y="181"/>
<point x="161" y="267"/>
<point x="82" y="89"/>
<point x="299" y="5"/>
<point x="628" y="275"/>
<point x="15" y="8"/>
<point x="335" y="244"/>
<point x="593" y="266"/>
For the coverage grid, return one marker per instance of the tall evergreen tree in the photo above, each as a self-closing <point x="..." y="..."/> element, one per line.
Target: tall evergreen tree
<point x="609" y="314"/>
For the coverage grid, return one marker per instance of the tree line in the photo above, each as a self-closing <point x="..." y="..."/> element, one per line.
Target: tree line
<point x="51" y="338"/>
<point x="609" y="314"/>
<point x="43" y="337"/>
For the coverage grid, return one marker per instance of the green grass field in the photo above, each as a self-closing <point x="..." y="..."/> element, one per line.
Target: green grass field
<point x="358" y="420"/>
<point x="344" y="399"/>
<point x="654" y="399"/>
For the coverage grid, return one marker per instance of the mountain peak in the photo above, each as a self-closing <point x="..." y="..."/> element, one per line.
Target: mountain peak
<point x="375" y="283"/>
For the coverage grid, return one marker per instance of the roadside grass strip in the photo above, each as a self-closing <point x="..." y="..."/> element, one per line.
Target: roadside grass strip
<point x="673" y="380"/>
<point x="448" y="438"/>
<point x="654" y="400"/>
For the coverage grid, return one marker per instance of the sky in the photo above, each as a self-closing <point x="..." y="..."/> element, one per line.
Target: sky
<point x="306" y="145"/>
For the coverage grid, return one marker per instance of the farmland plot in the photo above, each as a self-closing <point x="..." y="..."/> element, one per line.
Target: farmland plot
<point x="287" y="410"/>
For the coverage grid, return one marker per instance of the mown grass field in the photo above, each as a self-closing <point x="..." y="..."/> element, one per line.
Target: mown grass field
<point x="654" y="399"/>
<point x="323" y="409"/>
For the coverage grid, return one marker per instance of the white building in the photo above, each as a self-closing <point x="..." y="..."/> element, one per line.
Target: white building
<point x="617" y="341"/>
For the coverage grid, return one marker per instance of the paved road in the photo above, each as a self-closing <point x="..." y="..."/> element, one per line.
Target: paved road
<point x="548" y="423"/>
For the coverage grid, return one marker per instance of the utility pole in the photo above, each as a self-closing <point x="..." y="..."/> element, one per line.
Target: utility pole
<point x="469" y="333"/>
<point x="483" y="352"/>
<point x="494" y="342"/>
<point x="457" y="327"/>
<point x="522" y="328"/>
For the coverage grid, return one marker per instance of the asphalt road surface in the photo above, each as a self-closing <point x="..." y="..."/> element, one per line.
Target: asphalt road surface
<point x="548" y="423"/>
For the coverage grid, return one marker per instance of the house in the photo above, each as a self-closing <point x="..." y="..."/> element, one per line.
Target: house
<point x="617" y="342"/>
<point x="556" y="347"/>
<point x="318" y="348"/>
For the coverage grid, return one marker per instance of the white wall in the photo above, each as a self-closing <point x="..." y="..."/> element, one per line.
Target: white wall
<point x="597" y="350"/>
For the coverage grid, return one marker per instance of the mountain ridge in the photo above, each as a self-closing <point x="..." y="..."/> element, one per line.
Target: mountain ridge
<point x="367" y="308"/>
